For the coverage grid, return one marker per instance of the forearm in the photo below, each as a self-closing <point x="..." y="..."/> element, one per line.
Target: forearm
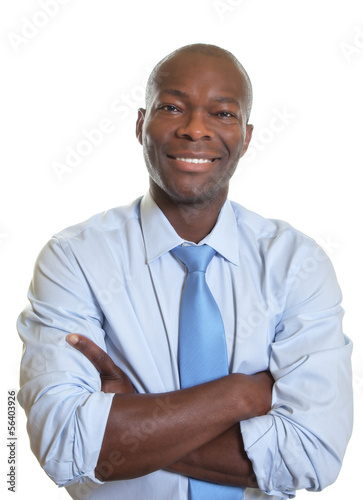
<point x="152" y="431"/>
<point x="222" y="460"/>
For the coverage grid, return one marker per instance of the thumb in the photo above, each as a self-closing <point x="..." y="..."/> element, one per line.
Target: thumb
<point x="97" y="356"/>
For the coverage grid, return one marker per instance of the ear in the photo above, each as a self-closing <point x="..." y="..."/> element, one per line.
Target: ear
<point x="249" y="130"/>
<point x="140" y="124"/>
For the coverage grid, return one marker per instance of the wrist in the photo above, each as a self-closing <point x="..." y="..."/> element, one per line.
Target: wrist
<point x="252" y="393"/>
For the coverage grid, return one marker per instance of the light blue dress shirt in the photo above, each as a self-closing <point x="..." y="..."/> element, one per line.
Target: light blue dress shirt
<point x="114" y="279"/>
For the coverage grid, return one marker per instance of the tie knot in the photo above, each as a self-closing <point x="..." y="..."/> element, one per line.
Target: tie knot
<point x="196" y="258"/>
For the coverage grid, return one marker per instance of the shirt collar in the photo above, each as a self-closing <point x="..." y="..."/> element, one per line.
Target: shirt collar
<point x="160" y="237"/>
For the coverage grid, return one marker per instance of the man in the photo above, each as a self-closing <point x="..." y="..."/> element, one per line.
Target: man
<point x="118" y="279"/>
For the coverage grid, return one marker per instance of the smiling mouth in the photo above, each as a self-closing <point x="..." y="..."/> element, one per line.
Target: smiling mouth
<point x="193" y="160"/>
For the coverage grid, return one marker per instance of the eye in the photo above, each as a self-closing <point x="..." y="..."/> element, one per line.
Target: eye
<point x="226" y="114"/>
<point x="169" y="108"/>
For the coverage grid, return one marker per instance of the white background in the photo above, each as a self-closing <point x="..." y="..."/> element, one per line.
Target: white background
<point x="73" y="68"/>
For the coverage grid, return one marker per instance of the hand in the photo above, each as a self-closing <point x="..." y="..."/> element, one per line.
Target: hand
<point x="113" y="379"/>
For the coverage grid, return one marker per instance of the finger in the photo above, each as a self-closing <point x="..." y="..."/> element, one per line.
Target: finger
<point x="99" y="358"/>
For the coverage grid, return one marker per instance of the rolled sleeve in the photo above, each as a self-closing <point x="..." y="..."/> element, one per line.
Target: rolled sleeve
<point x="60" y="389"/>
<point x="301" y="442"/>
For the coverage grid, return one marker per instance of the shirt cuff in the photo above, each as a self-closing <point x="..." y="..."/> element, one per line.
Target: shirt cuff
<point x="259" y="436"/>
<point x="90" y="426"/>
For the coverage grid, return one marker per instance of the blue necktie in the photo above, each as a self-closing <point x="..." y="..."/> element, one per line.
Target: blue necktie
<point x="202" y="346"/>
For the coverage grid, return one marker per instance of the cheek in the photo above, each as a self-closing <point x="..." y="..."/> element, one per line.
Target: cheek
<point x="234" y="139"/>
<point x="153" y="144"/>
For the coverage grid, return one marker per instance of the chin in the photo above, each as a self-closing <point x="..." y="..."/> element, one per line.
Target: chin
<point x="193" y="198"/>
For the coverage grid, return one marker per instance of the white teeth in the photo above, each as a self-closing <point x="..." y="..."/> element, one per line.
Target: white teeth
<point x="194" y="160"/>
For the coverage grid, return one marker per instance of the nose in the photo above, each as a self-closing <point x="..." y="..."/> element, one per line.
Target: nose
<point x="194" y="127"/>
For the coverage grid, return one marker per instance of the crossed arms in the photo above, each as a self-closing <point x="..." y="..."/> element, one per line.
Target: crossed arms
<point x="299" y="443"/>
<point x="199" y="436"/>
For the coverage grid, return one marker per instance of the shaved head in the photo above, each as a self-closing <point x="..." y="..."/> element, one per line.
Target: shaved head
<point x="156" y="75"/>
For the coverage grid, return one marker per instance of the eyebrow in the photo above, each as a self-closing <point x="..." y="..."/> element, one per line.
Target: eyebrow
<point x="221" y="99"/>
<point x="227" y="100"/>
<point x="176" y="92"/>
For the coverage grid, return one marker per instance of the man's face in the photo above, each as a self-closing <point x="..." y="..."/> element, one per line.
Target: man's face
<point x="194" y="130"/>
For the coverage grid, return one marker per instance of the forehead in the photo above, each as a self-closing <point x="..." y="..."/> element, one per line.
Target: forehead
<point x="200" y="75"/>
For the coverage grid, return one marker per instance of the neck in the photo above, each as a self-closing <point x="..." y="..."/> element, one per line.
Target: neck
<point x="192" y="221"/>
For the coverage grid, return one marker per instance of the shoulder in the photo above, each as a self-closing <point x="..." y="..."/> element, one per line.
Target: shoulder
<point x="113" y="220"/>
<point x="285" y="253"/>
<point x="288" y="262"/>
<point x="102" y="237"/>
<point x="268" y="233"/>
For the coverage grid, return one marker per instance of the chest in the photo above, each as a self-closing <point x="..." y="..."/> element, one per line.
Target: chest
<point x="141" y="304"/>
